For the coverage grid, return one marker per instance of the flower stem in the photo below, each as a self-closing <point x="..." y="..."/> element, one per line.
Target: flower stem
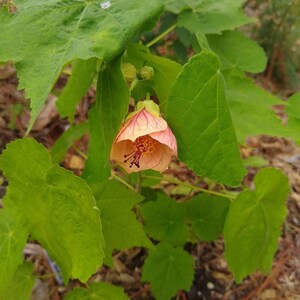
<point x="123" y="181"/>
<point x="196" y="188"/>
<point x="133" y="84"/>
<point x="162" y="35"/>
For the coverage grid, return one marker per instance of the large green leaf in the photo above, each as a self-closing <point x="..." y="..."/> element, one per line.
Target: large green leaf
<point x="105" y="119"/>
<point x="208" y="16"/>
<point x="165" y="70"/>
<point x="165" y="220"/>
<point x="21" y="285"/>
<point x="120" y="227"/>
<point x="13" y="237"/>
<point x="207" y="214"/>
<point x="252" y="227"/>
<point x="198" y="114"/>
<point x="293" y="111"/>
<point x="57" y="207"/>
<point x="251" y="109"/>
<point x="238" y="51"/>
<point x="66" y="140"/>
<point x="58" y="32"/>
<point x="98" y="291"/>
<point x="83" y="73"/>
<point x="168" y="269"/>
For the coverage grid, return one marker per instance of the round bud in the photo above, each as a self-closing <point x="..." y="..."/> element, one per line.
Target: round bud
<point x="129" y="71"/>
<point x="146" y="73"/>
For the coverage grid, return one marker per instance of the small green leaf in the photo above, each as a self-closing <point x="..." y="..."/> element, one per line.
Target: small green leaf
<point x="121" y="229"/>
<point x="83" y="73"/>
<point x="252" y="227"/>
<point x="251" y="109"/>
<point x="165" y="220"/>
<point x="238" y="51"/>
<point x="98" y="291"/>
<point x="21" y="285"/>
<point x="168" y="270"/>
<point x="59" y="210"/>
<point x="255" y="162"/>
<point x="13" y="237"/>
<point x="105" y="119"/>
<point x="60" y="31"/>
<point x="165" y="70"/>
<point x="207" y="214"/>
<point x="209" y="16"/>
<point x="66" y="140"/>
<point x="200" y="118"/>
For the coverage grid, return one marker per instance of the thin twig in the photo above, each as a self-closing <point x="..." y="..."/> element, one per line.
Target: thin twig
<point x="80" y="153"/>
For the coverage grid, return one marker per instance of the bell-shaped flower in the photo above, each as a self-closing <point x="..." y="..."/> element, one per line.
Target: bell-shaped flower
<point x="144" y="141"/>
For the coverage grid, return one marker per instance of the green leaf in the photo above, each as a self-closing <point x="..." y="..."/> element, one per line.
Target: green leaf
<point x="168" y="270"/>
<point x="58" y="32"/>
<point x="83" y="73"/>
<point x="66" y="220"/>
<point x="255" y="162"/>
<point x="98" y="291"/>
<point x="66" y="140"/>
<point x="252" y="227"/>
<point x="200" y="119"/>
<point x="165" y="220"/>
<point x="13" y="237"/>
<point x="238" y="51"/>
<point x="208" y="16"/>
<point x="251" y="109"/>
<point x="165" y="70"/>
<point x="293" y="112"/>
<point x="207" y="214"/>
<point x="21" y="285"/>
<point x="121" y="229"/>
<point x="105" y="119"/>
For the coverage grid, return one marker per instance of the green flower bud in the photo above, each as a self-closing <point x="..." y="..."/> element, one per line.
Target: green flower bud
<point x="129" y="71"/>
<point x="146" y="73"/>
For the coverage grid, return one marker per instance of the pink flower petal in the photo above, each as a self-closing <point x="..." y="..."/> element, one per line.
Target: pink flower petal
<point x="167" y="138"/>
<point x="158" y="160"/>
<point x="165" y="158"/>
<point x="119" y="149"/>
<point x="142" y="123"/>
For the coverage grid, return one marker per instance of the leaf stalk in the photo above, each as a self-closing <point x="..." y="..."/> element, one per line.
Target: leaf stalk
<point x="162" y="35"/>
<point x="196" y="188"/>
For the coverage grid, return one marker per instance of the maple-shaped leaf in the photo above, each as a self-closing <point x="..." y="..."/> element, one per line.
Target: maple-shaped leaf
<point x="56" y="206"/>
<point x="43" y="36"/>
<point x="121" y="229"/>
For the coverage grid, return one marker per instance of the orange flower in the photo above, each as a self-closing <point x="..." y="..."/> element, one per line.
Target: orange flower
<point x="144" y="141"/>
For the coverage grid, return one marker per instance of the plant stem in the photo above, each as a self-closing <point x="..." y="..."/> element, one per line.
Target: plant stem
<point x="133" y="84"/>
<point x="159" y="37"/>
<point x="123" y="182"/>
<point x="178" y="182"/>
